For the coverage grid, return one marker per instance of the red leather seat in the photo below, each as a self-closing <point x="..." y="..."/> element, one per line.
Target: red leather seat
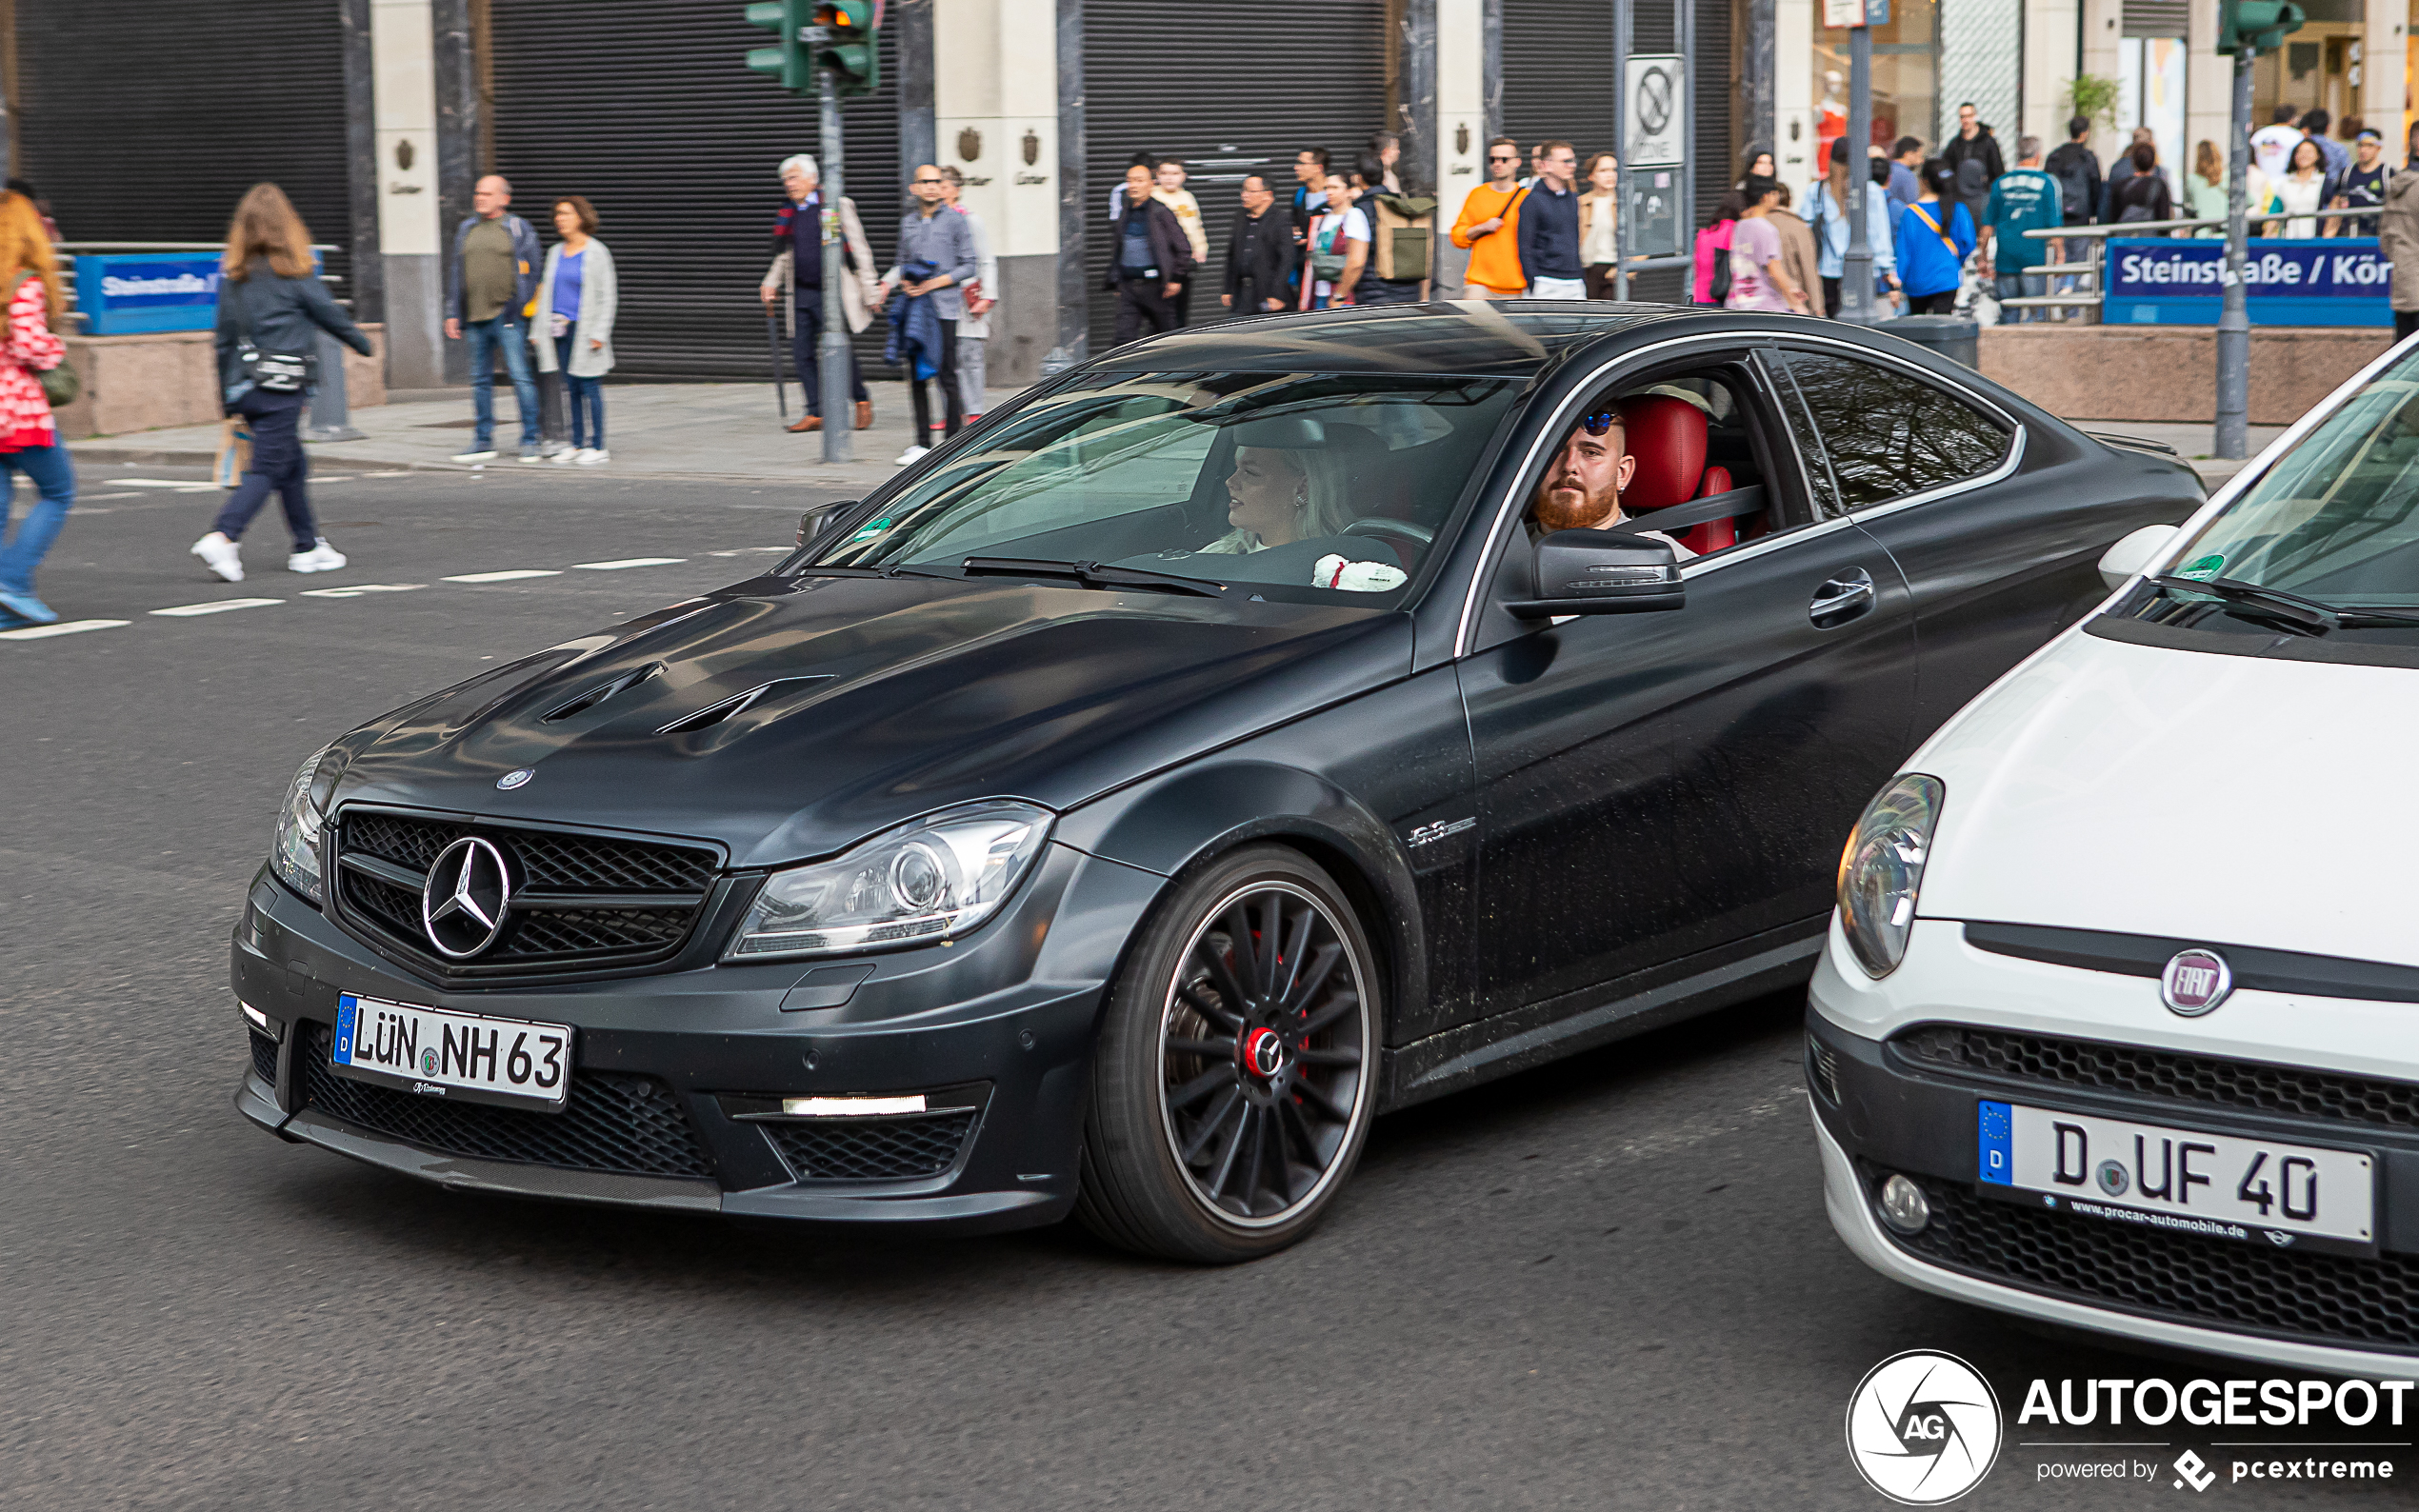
<point x="1667" y="436"/>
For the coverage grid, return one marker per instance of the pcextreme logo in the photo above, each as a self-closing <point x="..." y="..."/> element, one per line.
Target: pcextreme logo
<point x="1923" y="1427"/>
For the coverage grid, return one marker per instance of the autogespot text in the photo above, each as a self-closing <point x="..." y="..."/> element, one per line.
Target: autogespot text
<point x="2213" y="1403"/>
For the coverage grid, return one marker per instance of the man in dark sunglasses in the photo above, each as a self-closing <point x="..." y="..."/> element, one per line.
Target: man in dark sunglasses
<point x="1581" y="487"/>
<point x="1488" y="225"/>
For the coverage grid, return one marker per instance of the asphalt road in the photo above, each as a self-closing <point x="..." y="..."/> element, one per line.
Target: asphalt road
<point x="1605" y="1283"/>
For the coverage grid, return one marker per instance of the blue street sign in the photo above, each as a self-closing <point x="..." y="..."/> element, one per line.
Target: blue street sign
<point x="123" y="292"/>
<point x="2291" y="281"/>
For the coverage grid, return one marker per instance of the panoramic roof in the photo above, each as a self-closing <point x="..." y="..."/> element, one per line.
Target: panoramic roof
<point x="1512" y="338"/>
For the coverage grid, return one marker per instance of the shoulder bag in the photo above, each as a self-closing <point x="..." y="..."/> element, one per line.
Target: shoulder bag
<point x="268" y="372"/>
<point x="60" y="383"/>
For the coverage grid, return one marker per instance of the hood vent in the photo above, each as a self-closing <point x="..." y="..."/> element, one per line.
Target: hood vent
<point x="602" y="692"/>
<point x="733" y="707"/>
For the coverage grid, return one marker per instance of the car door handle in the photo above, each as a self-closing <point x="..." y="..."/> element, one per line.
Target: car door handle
<point x="1842" y="599"/>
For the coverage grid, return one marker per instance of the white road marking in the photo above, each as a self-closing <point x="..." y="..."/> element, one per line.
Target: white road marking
<point x="404" y="474"/>
<point x="94" y="498"/>
<point x="359" y="588"/>
<point x="507" y="576"/>
<point x="180" y="484"/>
<point x="186" y="611"/>
<point x="751" y="550"/>
<point x="628" y="562"/>
<point x="43" y="632"/>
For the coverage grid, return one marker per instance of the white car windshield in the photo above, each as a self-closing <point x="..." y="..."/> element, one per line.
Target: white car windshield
<point x="1305" y="485"/>
<point x="2337" y="518"/>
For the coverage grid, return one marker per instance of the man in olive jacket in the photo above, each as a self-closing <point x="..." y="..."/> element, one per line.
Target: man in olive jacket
<point x="490" y="281"/>
<point x="2398" y="239"/>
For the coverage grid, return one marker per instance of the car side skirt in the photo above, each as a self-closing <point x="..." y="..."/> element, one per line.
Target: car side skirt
<point x="1503" y="1044"/>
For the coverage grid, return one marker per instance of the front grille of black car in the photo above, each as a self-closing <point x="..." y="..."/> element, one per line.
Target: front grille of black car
<point x="2207" y="1081"/>
<point x="564" y="915"/>
<point x="2298" y="1293"/>
<point x="631" y="1126"/>
<point x="264" y="1056"/>
<point x="872" y="1149"/>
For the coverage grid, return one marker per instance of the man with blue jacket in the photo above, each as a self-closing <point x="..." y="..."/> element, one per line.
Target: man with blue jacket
<point x="490" y="280"/>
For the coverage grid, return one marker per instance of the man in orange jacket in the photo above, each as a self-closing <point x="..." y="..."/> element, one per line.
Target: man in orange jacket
<point x="1488" y="225"/>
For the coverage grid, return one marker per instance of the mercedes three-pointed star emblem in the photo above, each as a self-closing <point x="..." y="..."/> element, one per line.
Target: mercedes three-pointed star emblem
<point x="463" y="902"/>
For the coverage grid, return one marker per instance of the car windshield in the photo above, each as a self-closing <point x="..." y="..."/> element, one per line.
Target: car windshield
<point x="1308" y="487"/>
<point x="2337" y="518"/>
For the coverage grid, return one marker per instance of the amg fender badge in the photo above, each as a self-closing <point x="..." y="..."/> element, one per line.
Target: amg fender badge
<point x="1429" y="834"/>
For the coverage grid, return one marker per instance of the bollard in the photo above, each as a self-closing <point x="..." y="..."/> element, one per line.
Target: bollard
<point x="328" y="417"/>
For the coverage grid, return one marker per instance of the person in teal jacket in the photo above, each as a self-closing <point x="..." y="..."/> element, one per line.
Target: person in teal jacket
<point x="1934" y="238"/>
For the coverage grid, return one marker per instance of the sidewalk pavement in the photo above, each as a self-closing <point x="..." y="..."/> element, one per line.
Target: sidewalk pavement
<point x="689" y="431"/>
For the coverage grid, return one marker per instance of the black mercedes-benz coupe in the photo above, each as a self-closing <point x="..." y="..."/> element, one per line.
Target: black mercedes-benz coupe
<point x="1212" y="749"/>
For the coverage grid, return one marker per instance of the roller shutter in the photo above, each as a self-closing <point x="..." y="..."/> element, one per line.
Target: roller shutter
<point x="647" y="108"/>
<point x="1151" y="85"/>
<point x="144" y="122"/>
<point x="1559" y="79"/>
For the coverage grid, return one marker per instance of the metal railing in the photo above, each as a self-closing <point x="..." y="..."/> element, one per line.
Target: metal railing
<point x="2084" y="297"/>
<point x="70" y="252"/>
<point x="330" y="405"/>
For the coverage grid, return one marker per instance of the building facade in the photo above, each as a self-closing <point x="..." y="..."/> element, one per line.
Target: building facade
<point x="387" y="111"/>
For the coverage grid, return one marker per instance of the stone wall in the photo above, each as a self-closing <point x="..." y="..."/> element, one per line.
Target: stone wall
<point x="170" y="378"/>
<point x="2169" y="373"/>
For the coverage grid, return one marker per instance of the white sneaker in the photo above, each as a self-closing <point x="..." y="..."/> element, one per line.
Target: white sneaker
<point x="321" y="558"/>
<point x="488" y="455"/>
<point x="912" y="453"/>
<point x="590" y="456"/>
<point x="565" y="455"/>
<point x="532" y="455"/>
<point x="221" y="556"/>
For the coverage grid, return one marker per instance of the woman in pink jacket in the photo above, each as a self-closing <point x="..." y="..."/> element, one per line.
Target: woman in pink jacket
<point x="1713" y="244"/>
<point x="29" y="436"/>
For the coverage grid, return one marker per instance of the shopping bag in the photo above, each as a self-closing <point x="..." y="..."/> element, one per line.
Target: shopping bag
<point x="234" y="453"/>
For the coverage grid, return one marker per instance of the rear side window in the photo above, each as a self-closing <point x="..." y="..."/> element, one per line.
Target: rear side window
<point x="1888" y="434"/>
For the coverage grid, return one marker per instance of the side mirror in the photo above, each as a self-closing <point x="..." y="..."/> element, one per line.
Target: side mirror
<point x="1602" y="572"/>
<point x="811" y="523"/>
<point x="2135" y="552"/>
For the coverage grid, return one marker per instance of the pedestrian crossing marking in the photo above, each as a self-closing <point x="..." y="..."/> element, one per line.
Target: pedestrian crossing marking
<point x="358" y="589"/>
<point x="628" y="562"/>
<point x="186" y="611"/>
<point x="507" y="576"/>
<point x="44" y="632"/>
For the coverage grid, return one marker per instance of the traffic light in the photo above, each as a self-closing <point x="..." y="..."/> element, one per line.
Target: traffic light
<point x="2260" y="23"/>
<point x="789" y="60"/>
<point x="852" y="43"/>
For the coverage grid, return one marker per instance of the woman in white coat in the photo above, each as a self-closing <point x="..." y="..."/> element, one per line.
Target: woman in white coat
<point x="573" y="332"/>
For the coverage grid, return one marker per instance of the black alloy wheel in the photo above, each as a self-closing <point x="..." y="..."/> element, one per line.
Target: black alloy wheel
<point x="1236" y="1075"/>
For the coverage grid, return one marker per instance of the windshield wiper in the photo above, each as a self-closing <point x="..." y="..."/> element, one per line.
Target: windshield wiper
<point x="2291" y="612"/>
<point x="1089" y="574"/>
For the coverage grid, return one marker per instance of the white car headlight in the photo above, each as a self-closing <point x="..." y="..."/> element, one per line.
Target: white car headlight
<point x="1882" y="869"/>
<point x="296" y="852"/>
<point x="938" y="877"/>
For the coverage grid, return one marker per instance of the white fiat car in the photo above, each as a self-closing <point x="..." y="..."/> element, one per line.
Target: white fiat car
<point x="2118" y="1024"/>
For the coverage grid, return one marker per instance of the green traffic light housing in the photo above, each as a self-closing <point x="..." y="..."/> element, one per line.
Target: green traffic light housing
<point x="850" y="44"/>
<point x="789" y="60"/>
<point x="2258" y="24"/>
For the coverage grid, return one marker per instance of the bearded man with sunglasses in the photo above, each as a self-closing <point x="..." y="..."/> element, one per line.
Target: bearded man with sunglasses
<point x="1488" y="227"/>
<point x="1581" y="489"/>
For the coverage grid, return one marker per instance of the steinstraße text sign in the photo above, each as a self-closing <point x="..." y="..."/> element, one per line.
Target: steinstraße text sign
<point x="2291" y="281"/>
<point x="120" y="293"/>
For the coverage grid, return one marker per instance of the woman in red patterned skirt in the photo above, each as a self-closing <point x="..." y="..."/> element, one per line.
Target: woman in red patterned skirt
<point x="29" y="436"/>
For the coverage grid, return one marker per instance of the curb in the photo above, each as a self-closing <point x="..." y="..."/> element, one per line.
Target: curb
<point x="172" y="457"/>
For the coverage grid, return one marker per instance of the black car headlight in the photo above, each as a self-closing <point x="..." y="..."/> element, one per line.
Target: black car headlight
<point x="1882" y="870"/>
<point x="296" y="852"/>
<point x="935" y="877"/>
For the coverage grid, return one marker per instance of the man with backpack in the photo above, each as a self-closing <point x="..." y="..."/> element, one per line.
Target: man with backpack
<point x="2077" y="169"/>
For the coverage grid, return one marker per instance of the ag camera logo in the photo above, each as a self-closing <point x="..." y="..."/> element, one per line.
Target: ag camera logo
<point x="1923" y="1427"/>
